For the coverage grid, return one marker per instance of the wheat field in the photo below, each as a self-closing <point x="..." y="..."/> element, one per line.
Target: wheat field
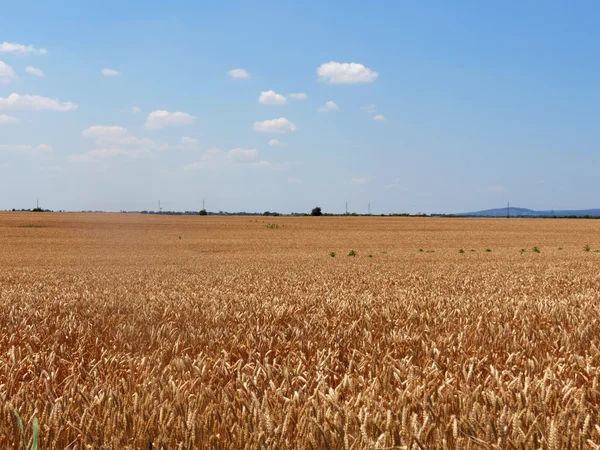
<point x="145" y="331"/>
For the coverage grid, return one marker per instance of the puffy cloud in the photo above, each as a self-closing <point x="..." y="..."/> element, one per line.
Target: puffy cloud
<point x="238" y="73"/>
<point x="271" y="98"/>
<point x="370" y="109"/>
<point x="379" y="117"/>
<point x="35" y="103"/>
<point x="100" y="154"/>
<point x="8" y="120"/>
<point x="298" y="96"/>
<point x="276" y="142"/>
<point x="135" y="109"/>
<point x="242" y="154"/>
<point x="9" y="47"/>
<point x="185" y="140"/>
<point x="103" y="131"/>
<point x="7" y="73"/>
<point x="34" y="71"/>
<point x="345" y="73"/>
<point x="161" y="119"/>
<point x="279" y="126"/>
<point x="364" y="180"/>
<point x="329" y="106"/>
<point x="118" y="136"/>
<point x="215" y="159"/>
<point x="42" y="148"/>
<point x="110" y="73"/>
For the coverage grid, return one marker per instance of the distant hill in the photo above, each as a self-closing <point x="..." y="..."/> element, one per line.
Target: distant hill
<point x="524" y="212"/>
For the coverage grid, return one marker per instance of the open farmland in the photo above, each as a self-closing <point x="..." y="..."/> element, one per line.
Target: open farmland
<point x="213" y="332"/>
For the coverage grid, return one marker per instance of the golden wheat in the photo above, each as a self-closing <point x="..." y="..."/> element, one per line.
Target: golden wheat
<point x="207" y="332"/>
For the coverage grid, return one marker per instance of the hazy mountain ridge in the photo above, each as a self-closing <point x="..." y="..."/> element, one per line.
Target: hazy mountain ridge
<point x="525" y="212"/>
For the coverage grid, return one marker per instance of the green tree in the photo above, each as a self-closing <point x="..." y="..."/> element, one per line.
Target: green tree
<point x="203" y="212"/>
<point x="316" y="211"/>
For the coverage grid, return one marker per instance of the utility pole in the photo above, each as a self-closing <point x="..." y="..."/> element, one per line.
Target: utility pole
<point x="159" y="208"/>
<point x="369" y="209"/>
<point x="346" y="206"/>
<point x="508" y="210"/>
<point x="202" y="203"/>
<point x="37" y="204"/>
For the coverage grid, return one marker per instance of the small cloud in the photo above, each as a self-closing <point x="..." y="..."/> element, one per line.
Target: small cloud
<point x="240" y="154"/>
<point x="271" y="98"/>
<point x="103" y="131"/>
<point x="34" y="103"/>
<point x="329" y="106"/>
<point x="42" y="148"/>
<point x="7" y="73"/>
<point x="100" y="154"/>
<point x="8" y="120"/>
<point x="238" y="73"/>
<point x="135" y="109"/>
<point x="298" y="96"/>
<point x="185" y="140"/>
<point x="370" y="109"/>
<point x="34" y="71"/>
<point x="379" y="117"/>
<point x="295" y="180"/>
<point x="276" y="142"/>
<point x="364" y="180"/>
<point x="345" y="73"/>
<point x="110" y="73"/>
<point x="161" y="119"/>
<point x="279" y="126"/>
<point x="9" y="47"/>
<point x="395" y="184"/>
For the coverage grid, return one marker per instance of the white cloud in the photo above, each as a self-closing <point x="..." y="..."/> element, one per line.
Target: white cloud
<point x="110" y="73"/>
<point x="8" y="120"/>
<point x="103" y="131"/>
<point x="345" y="73"/>
<point x="238" y="73"/>
<point x="279" y="126"/>
<point x="35" y="103"/>
<point x="295" y="180"/>
<point x="97" y="155"/>
<point x="240" y="154"/>
<point x="329" y="106"/>
<point x="395" y="184"/>
<point x="215" y="159"/>
<point x="161" y="119"/>
<point x="111" y="136"/>
<point x="379" y="117"/>
<point x="276" y="142"/>
<point x="135" y="109"/>
<point x="34" y="71"/>
<point x="298" y="96"/>
<point x="271" y="98"/>
<point x="8" y="47"/>
<point x="7" y="73"/>
<point x="363" y="180"/>
<point x="370" y="109"/>
<point x="42" y="148"/>
<point x="185" y="140"/>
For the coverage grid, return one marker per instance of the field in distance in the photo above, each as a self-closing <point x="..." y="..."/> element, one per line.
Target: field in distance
<point x="263" y="332"/>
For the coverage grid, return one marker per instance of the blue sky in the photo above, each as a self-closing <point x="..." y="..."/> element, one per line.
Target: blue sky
<point x="115" y="105"/>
